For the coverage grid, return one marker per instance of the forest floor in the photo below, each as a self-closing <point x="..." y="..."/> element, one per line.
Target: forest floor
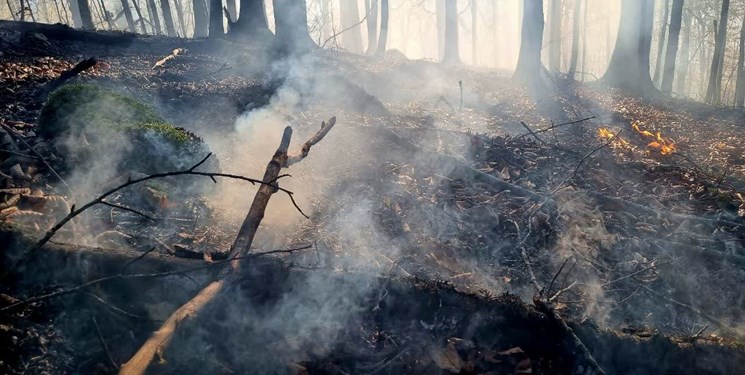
<point x="442" y="203"/>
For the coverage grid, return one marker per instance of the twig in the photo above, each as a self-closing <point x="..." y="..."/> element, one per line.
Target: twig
<point x="551" y="285"/>
<point x="103" y="342"/>
<point x="11" y="133"/>
<point x="137" y="259"/>
<point x="645" y="269"/>
<point x="305" y="149"/>
<point x="537" y="138"/>
<point x="552" y="127"/>
<point x="124" y="208"/>
<point x="562" y="291"/>
<point x="117" y="309"/>
<point x="323" y="45"/>
<point x="155" y="275"/>
<point x="77" y="211"/>
<point x="576" y="169"/>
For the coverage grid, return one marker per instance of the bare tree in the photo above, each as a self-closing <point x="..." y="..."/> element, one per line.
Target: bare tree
<point x="740" y="86"/>
<point x="672" y="46"/>
<point x="180" y="13"/>
<point x="232" y="7"/>
<point x="383" y="39"/>
<point x="128" y="16"/>
<point x="372" y="26"/>
<point x="216" y="19"/>
<point x="350" y="23"/>
<point x="554" y="46"/>
<point x="154" y="19"/>
<point x="86" y="18"/>
<point x="714" y="89"/>
<point x="291" y="20"/>
<point x="251" y="21"/>
<point x="452" y="55"/>
<point x="630" y="62"/>
<point x="575" y="39"/>
<point x="168" y="18"/>
<point x="529" y="66"/>
<point x="201" y="19"/>
<point x="684" y="58"/>
<point x="661" y="42"/>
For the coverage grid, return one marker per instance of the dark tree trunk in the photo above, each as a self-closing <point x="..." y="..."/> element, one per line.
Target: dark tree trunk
<point x="291" y="20"/>
<point x="180" y="13"/>
<point x="554" y="47"/>
<point x="383" y="39"/>
<point x="672" y="47"/>
<point x="684" y="59"/>
<point x="740" y="88"/>
<point x="713" y="91"/>
<point x="86" y="18"/>
<point x="168" y="17"/>
<point x="452" y="55"/>
<point x="251" y="21"/>
<point x="529" y="67"/>
<point x="140" y="19"/>
<point x="629" y="66"/>
<point x="201" y="19"/>
<point x="575" y="39"/>
<point x="350" y="21"/>
<point x="217" y="29"/>
<point x="128" y="16"/>
<point x="661" y="43"/>
<point x="372" y="26"/>
<point x="154" y="18"/>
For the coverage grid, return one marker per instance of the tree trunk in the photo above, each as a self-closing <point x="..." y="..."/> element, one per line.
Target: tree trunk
<point x="291" y="25"/>
<point x="713" y="91"/>
<point x="629" y="66"/>
<point x="251" y="21"/>
<point x="140" y="19"/>
<point x="180" y="14"/>
<point x="154" y="18"/>
<point x="684" y="59"/>
<point x="575" y="39"/>
<point x="440" y="28"/>
<point x="740" y="88"/>
<point x="672" y="47"/>
<point x="217" y="29"/>
<point x="584" y="42"/>
<point x="168" y="18"/>
<point x="128" y="16"/>
<point x="86" y="18"/>
<point x="661" y="43"/>
<point x="201" y="19"/>
<point x="474" y="32"/>
<point x="452" y="55"/>
<point x="383" y="39"/>
<point x="372" y="26"/>
<point x="529" y="66"/>
<point x="232" y="7"/>
<point x="350" y="21"/>
<point x="554" y="46"/>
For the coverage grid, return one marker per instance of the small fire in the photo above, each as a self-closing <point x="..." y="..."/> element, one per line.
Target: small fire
<point x="665" y="145"/>
<point x="607" y="134"/>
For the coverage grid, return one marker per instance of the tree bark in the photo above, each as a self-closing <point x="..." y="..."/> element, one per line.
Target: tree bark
<point x="232" y="7"/>
<point x="180" y="13"/>
<point x="154" y="18"/>
<point x="128" y="16"/>
<point x="451" y="55"/>
<point x="140" y="19"/>
<point x="554" y="47"/>
<point x="383" y="39"/>
<point x="661" y="43"/>
<point x="291" y="27"/>
<point x="251" y="21"/>
<point x="350" y="21"/>
<point x="529" y="66"/>
<point x="713" y="91"/>
<point x="629" y="66"/>
<point x="217" y="28"/>
<point x="672" y="47"/>
<point x="86" y="18"/>
<point x="740" y="88"/>
<point x="168" y="18"/>
<point x="201" y="19"/>
<point x="372" y="26"/>
<point x="575" y="39"/>
<point x="684" y="59"/>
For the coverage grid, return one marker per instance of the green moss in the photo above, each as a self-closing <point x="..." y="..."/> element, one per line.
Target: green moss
<point x="104" y="116"/>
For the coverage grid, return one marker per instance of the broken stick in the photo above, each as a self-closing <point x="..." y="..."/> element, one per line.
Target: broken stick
<point x="159" y="341"/>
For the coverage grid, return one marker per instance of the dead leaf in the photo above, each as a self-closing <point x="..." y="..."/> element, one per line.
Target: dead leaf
<point x="447" y="358"/>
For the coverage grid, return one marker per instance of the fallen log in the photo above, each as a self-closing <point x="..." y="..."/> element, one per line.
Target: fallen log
<point x="160" y="340"/>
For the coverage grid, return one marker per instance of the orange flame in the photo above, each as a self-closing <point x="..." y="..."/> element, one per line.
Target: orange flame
<point x="665" y="145"/>
<point x="607" y="134"/>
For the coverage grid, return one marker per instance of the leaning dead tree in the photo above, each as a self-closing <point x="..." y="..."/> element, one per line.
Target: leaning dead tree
<point x="159" y="341"/>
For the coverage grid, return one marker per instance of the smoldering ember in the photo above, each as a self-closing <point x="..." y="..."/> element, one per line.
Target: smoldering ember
<point x="372" y="187"/>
